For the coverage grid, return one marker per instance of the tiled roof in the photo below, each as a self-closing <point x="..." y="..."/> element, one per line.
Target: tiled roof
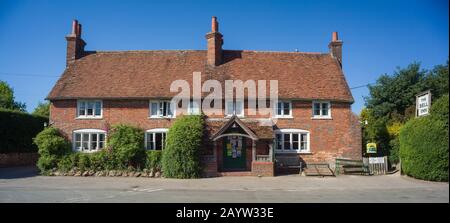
<point x="260" y="130"/>
<point x="149" y="74"/>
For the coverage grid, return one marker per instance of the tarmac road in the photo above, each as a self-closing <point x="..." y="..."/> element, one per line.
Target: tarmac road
<point x="21" y="184"/>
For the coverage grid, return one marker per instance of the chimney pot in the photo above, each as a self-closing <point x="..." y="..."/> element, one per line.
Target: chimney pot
<point x="79" y="30"/>
<point x="335" y="37"/>
<point x="74" y="26"/>
<point x="214" y="25"/>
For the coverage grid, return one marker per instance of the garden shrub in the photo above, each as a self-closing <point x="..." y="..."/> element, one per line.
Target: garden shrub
<point x="181" y="155"/>
<point x="47" y="163"/>
<point x="52" y="146"/>
<point x="17" y="130"/>
<point x="424" y="144"/>
<point x="127" y="146"/>
<point x="84" y="161"/>
<point x="154" y="158"/>
<point x="66" y="163"/>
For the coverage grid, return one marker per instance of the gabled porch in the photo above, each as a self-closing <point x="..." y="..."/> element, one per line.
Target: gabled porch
<point x="239" y="147"/>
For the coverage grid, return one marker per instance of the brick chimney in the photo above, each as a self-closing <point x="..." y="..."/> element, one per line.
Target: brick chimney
<point x="75" y="45"/>
<point x="215" y="42"/>
<point x="335" y="47"/>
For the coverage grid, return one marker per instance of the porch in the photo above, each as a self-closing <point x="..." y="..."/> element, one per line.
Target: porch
<point x="239" y="148"/>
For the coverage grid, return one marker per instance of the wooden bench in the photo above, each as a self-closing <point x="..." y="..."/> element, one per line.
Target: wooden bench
<point x="350" y="166"/>
<point x="289" y="162"/>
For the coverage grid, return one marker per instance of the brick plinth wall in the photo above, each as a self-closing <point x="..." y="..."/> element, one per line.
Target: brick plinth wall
<point x="265" y="169"/>
<point x="18" y="159"/>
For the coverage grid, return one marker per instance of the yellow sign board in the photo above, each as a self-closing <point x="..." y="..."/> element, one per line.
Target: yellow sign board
<point x="371" y="147"/>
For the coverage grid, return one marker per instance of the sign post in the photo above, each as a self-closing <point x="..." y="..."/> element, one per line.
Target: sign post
<point x="371" y="147"/>
<point x="423" y="103"/>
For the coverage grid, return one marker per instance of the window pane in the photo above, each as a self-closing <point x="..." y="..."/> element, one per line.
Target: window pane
<point x="286" y="108"/>
<point x="90" y="108"/>
<point x="77" y="145"/>
<point x="154" y="109"/>
<point x="85" y="141"/>
<point x="316" y="109"/>
<point x="149" y="140"/>
<point x="279" y="141"/>
<point x="158" y="141"/>
<point x="98" y="108"/>
<point x="239" y="108"/>
<point x="93" y="141"/>
<point x="102" y="137"/>
<point x="287" y="141"/>
<point x="169" y="108"/>
<point x="229" y="110"/>
<point x="325" y="109"/>
<point x="82" y="109"/>
<point x="279" y="108"/>
<point x="77" y="137"/>
<point x="303" y="142"/>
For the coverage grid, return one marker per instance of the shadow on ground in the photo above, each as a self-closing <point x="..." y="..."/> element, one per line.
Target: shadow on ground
<point x="18" y="172"/>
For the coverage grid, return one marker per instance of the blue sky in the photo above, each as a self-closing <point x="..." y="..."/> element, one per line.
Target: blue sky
<point x="378" y="36"/>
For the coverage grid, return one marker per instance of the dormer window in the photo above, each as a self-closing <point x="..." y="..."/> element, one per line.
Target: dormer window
<point x="89" y="109"/>
<point x="161" y="109"/>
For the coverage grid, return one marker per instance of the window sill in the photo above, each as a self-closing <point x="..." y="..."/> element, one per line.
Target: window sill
<point x="161" y="117"/>
<point x="321" y="118"/>
<point x="88" y="118"/>
<point x="294" y="152"/>
<point x="283" y="117"/>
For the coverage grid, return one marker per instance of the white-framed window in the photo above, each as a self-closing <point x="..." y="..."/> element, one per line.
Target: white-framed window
<point x="89" y="109"/>
<point x="283" y="109"/>
<point x="161" y="109"/>
<point x="155" y="139"/>
<point x="321" y="109"/>
<point x="234" y="107"/>
<point x="292" y="140"/>
<point x="88" y="140"/>
<point x="193" y="108"/>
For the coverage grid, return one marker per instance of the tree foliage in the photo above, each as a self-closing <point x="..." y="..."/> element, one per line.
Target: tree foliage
<point x="126" y="144"/>
<point x="181" y="154"/>
<point x="43" y="109"/>
<point x="7" y="98"/>
<point x="391" y="103"/>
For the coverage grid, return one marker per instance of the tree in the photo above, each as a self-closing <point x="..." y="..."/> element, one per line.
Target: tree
<point x="392" y="95"/>
<point x="181" y="155"/>
<point x="43" y="109"/>
<point x="7" y="98"/>
<point x="391" y="103"/>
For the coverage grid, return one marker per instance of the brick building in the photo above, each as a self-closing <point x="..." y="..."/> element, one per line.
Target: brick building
<point x="312" y="119"/>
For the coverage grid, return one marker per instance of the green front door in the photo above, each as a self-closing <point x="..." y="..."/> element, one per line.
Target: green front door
<point x="234" y="153"/>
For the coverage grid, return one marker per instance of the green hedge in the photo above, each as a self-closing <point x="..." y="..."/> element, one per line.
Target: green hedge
<point x="126" y="144"/>
<point x="17" y="130"/>
<point x="424" y="144"/>
<point x="154" y="158"/>
<point x="52" y="147"/>
<point x="181" y="154"/>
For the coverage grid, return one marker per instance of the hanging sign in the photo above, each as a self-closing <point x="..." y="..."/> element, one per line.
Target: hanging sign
<point x="423" y="103"/>
<point x="371" y="147"/>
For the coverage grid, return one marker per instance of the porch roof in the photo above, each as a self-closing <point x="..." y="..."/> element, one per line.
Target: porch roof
<point x="255" y="129"/>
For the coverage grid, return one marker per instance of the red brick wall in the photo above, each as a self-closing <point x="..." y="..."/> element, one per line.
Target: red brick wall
<point x="338" y="137"/>
<point x="18" y="159"/>
<point x="265" y="169"/>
